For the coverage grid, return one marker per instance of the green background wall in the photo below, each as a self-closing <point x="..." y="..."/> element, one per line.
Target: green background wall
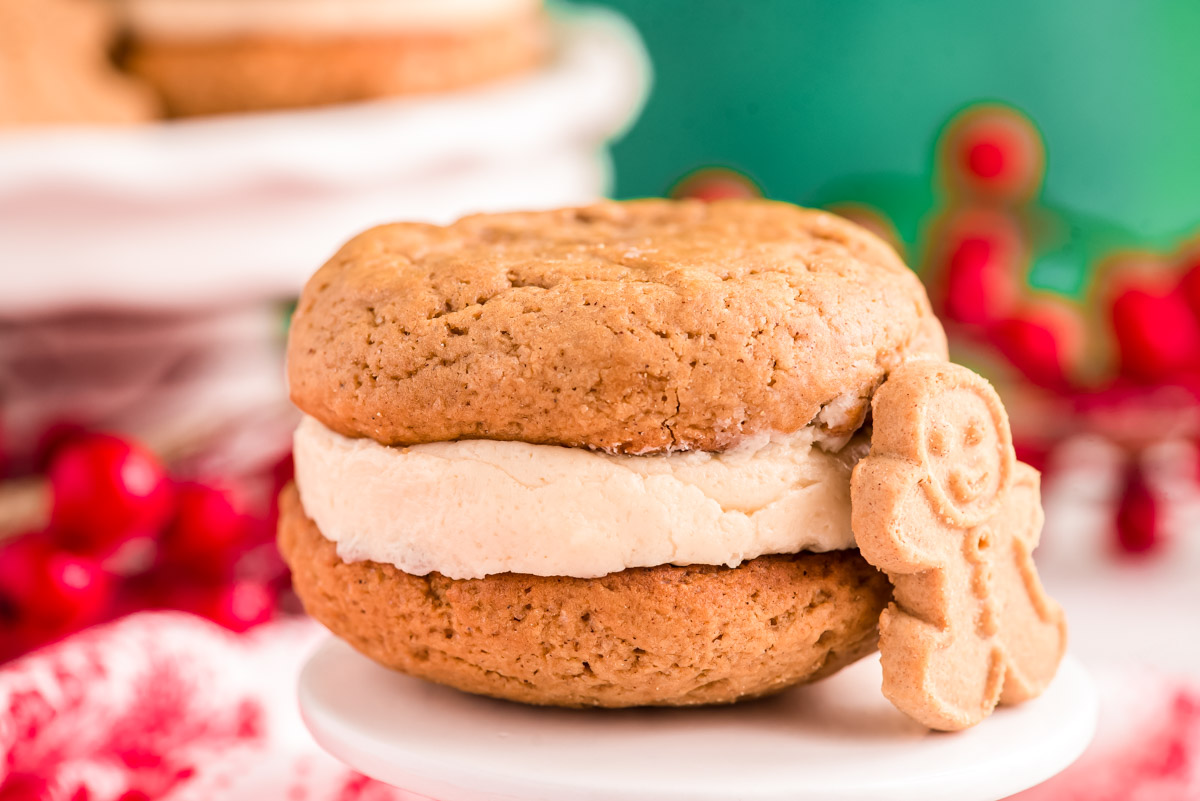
<point x="822" y="101"/>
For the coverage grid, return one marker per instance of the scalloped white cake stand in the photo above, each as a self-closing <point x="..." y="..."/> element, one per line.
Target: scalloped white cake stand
<point x="837" y="740"/>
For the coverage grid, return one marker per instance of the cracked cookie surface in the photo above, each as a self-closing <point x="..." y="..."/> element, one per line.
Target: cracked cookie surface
<point x="646" y="636"/>
<point x="637" y="327"/>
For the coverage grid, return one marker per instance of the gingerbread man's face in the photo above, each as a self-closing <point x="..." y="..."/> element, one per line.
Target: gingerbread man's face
<point x="966" y="445"/>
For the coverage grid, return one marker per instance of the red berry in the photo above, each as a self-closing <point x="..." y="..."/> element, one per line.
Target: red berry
<point x="48" y="590"/>
<point x="1158" y="337"/>
<point x="106" y="491"/>
<point x="1138" y="520"/>
<point x="75" y="591"/>
<point x="206" y="534"/>
<point x="715" y="183"/>
<point x="994" y="152"/>
<point x="985" y="160"/>
<point x="1043" y="342"/>
<point x="238" y="606"/>
<point x="1032" y="348"/>
<point x="1189" y="285"/>
<point x="15" y="638"/>
<point x="979" y="261"/>
<point x="19" y="570"/>
<point x="968" y="284"/>
<point x="55" y="437"/>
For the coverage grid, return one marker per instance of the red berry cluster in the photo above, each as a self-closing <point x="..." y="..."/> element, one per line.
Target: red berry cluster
<point x="1148" y="326"/>
<point x="1154" y="314"/>
<point x="1154" y="309"/>
<point x="980" y="246"/>
<point x="123" y="535"/>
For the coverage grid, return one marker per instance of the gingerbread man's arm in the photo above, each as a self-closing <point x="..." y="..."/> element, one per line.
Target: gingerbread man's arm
<point x="899" y="535"/>
<point x="882" y="515"/>
<point x="931" y="672"/>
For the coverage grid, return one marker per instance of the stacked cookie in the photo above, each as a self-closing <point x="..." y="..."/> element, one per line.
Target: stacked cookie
<point x="605" y="456"/>
<point x="197" y="57"/>
<point x="218" y="56"/>
<point x="55" y="66"/>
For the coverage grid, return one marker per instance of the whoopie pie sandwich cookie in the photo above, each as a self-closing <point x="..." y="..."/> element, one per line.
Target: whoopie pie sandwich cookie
<point x="606" y="456"/>
<point x="220" y="56"/>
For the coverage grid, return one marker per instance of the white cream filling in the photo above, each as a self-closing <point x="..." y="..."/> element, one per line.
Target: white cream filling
<point x="472" y="508"/>
<point x="208" y="18"/>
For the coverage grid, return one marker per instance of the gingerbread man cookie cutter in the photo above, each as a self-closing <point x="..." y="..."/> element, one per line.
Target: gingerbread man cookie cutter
<point x="943" y="507"/>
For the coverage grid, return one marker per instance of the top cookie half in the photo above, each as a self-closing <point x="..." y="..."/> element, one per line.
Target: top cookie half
<point x="636" y="327"/>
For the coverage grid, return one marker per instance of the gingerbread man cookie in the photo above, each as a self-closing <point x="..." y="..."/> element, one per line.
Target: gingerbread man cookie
<point x="942" y="506"/>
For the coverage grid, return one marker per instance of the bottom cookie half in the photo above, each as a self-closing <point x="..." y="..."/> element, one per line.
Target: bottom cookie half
<point x="662" y="636"/>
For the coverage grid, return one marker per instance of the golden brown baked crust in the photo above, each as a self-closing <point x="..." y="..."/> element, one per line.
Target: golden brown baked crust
<point x="635" y="327"/>
<point x="254" y="73"/>
<point x="55" y="68"/>
<point x="647" y="636"/>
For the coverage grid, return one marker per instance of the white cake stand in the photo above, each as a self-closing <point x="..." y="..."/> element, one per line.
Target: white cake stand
<point x="838" y="740"/>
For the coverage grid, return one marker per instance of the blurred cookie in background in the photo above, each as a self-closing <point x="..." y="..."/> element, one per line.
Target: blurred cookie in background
<point x="219" y="56"/>
<point x="55" y="66"/>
